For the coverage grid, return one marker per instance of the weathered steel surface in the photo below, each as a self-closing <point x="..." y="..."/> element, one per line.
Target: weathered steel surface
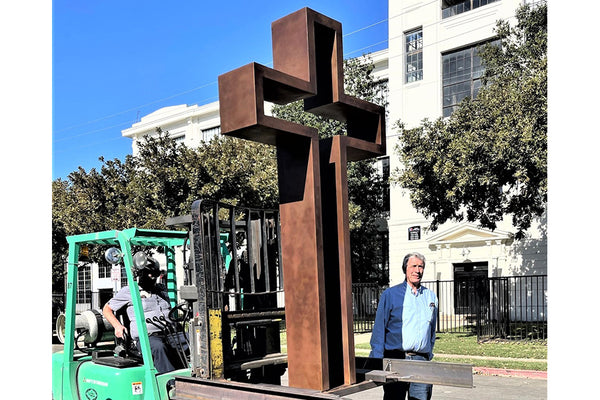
<point x="315" y="243"/>
<point x="188" y="388"/>
<point x="335" y="154"/>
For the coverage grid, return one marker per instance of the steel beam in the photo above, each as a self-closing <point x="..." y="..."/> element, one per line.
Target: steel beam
<point x="436" y="373"/>
<point x="191" y="388"/>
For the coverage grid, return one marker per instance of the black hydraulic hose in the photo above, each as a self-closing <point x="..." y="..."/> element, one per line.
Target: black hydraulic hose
<point x="181" y="328"/>
<point x="177" y="328"/>
<point x="172" y="327"/>
<point x="167" y="330"/>
<point x="161" y="327"/>
<point x="156" y="322"/>
<point x="174" y="331"/>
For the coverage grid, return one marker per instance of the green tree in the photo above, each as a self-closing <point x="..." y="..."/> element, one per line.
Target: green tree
<point x="159" y="184"/>
<point x="240" y="171"/>
<point x="365" y="185"/>
<point x="161" y="181"/>
<point x="59" y="238"/>
<point x="489" y="158"/>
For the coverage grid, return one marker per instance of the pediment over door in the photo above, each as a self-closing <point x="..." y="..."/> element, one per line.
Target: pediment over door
<point x="467" y="233"/>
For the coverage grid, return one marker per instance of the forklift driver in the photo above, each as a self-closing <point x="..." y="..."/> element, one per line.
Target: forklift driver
<point x="154" y="302"/>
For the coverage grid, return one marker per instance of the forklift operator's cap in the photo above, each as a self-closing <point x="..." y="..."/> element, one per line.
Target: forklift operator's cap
<point x="142" y="262"/>
<point x="152" y="265"/>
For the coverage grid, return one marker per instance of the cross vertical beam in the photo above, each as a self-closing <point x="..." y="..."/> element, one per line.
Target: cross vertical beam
<point x="302" y="261"/>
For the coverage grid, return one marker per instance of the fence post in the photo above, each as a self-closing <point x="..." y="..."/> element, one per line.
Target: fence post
<point x="437" y="293"/>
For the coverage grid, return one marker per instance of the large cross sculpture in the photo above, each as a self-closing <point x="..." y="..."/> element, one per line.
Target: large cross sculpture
<point x="313" y="185"/>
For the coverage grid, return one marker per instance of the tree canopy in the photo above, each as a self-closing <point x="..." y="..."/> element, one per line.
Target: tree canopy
<point x="161" y="181"/>
<point x="488" y="159"/>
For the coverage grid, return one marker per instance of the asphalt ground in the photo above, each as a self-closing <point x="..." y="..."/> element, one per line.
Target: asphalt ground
<point x="488" y="384"/>
<point x="487" y="387"/>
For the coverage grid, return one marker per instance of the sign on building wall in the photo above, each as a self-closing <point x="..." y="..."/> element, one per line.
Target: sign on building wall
<point x="414" y="233"/>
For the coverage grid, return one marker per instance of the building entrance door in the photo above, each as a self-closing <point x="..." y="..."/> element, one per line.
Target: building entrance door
<point x="471" y="294"/>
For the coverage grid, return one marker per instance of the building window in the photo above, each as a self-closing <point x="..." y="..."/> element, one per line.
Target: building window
<point x="462" y="71"/>
<point x="104" y="271"/>
<point x="382" y="258"/>
<point x="461" y="76"/>
<point x="208" y="134"/>
<point x="84" y="284"/>
<point x="179" y="139"/>
<point x="123" y="276"/>
<point x="414" y="55"/>
<point x="384" y="170"/>
<point x="455" y="7"/>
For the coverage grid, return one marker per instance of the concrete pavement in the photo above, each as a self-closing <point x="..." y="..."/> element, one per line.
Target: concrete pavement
<point x="487" y="387"/>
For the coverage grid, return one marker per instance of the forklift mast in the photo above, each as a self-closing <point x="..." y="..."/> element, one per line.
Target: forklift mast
<point x="234" y="281"/>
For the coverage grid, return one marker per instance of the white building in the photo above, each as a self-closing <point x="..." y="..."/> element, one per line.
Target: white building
<point x="189" y="124"/>
<point x="430" y="66"/>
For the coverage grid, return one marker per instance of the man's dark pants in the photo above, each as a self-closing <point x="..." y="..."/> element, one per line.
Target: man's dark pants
<point x="162" y="354"/>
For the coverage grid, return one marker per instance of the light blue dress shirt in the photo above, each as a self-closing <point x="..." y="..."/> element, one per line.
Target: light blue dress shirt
<point x="405" y="321"/>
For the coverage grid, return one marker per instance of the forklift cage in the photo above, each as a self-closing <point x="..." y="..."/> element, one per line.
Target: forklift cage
<point x="125" y="239"/>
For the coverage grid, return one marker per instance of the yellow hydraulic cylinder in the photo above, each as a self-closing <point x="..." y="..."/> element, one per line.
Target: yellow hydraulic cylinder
<point x="216" y="343"/>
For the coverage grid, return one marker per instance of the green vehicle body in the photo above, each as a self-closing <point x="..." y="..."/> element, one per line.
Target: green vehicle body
<point x="79" y="376"/>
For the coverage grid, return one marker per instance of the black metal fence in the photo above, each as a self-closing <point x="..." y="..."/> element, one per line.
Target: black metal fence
<point x="512" y="307"/>
<point x="365" y="297"/>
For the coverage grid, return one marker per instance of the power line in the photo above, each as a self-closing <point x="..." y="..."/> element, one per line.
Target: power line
<point x="215" y="82"/>
<point x="88" y="144"/>
<point x="137" y="107"/>
<point x="90" y="132"/>
<point x="365" y="28"/>
<point x="192" y="90"/>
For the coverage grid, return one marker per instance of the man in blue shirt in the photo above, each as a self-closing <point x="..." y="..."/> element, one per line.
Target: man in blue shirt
<point x="405" y="327"/>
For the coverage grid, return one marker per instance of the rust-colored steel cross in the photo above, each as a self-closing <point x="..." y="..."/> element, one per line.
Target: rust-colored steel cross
<point x="313" y="185"/>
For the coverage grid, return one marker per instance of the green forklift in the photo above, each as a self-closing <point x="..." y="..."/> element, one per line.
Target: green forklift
<point x="102" y="369"/>
<point x="227" y="300"/>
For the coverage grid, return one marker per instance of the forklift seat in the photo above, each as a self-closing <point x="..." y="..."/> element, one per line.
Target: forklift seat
<point x="126" y="347"/>
<point x="125" y="353"/>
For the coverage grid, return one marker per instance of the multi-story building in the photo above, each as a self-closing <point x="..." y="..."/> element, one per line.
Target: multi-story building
<point x="433" y="65"/>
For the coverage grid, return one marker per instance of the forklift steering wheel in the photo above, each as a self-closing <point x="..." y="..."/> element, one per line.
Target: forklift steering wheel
<point x="181" y="312"/>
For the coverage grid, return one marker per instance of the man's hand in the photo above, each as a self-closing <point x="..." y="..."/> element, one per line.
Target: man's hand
<point x="120" y="330"/>
<point x="108" y="313"/>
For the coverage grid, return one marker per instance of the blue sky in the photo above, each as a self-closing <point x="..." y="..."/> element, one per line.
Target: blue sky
<point x="116" y="61"/>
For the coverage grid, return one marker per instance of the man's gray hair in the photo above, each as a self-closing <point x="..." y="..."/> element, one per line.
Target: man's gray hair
<point x="409" y="255"/>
